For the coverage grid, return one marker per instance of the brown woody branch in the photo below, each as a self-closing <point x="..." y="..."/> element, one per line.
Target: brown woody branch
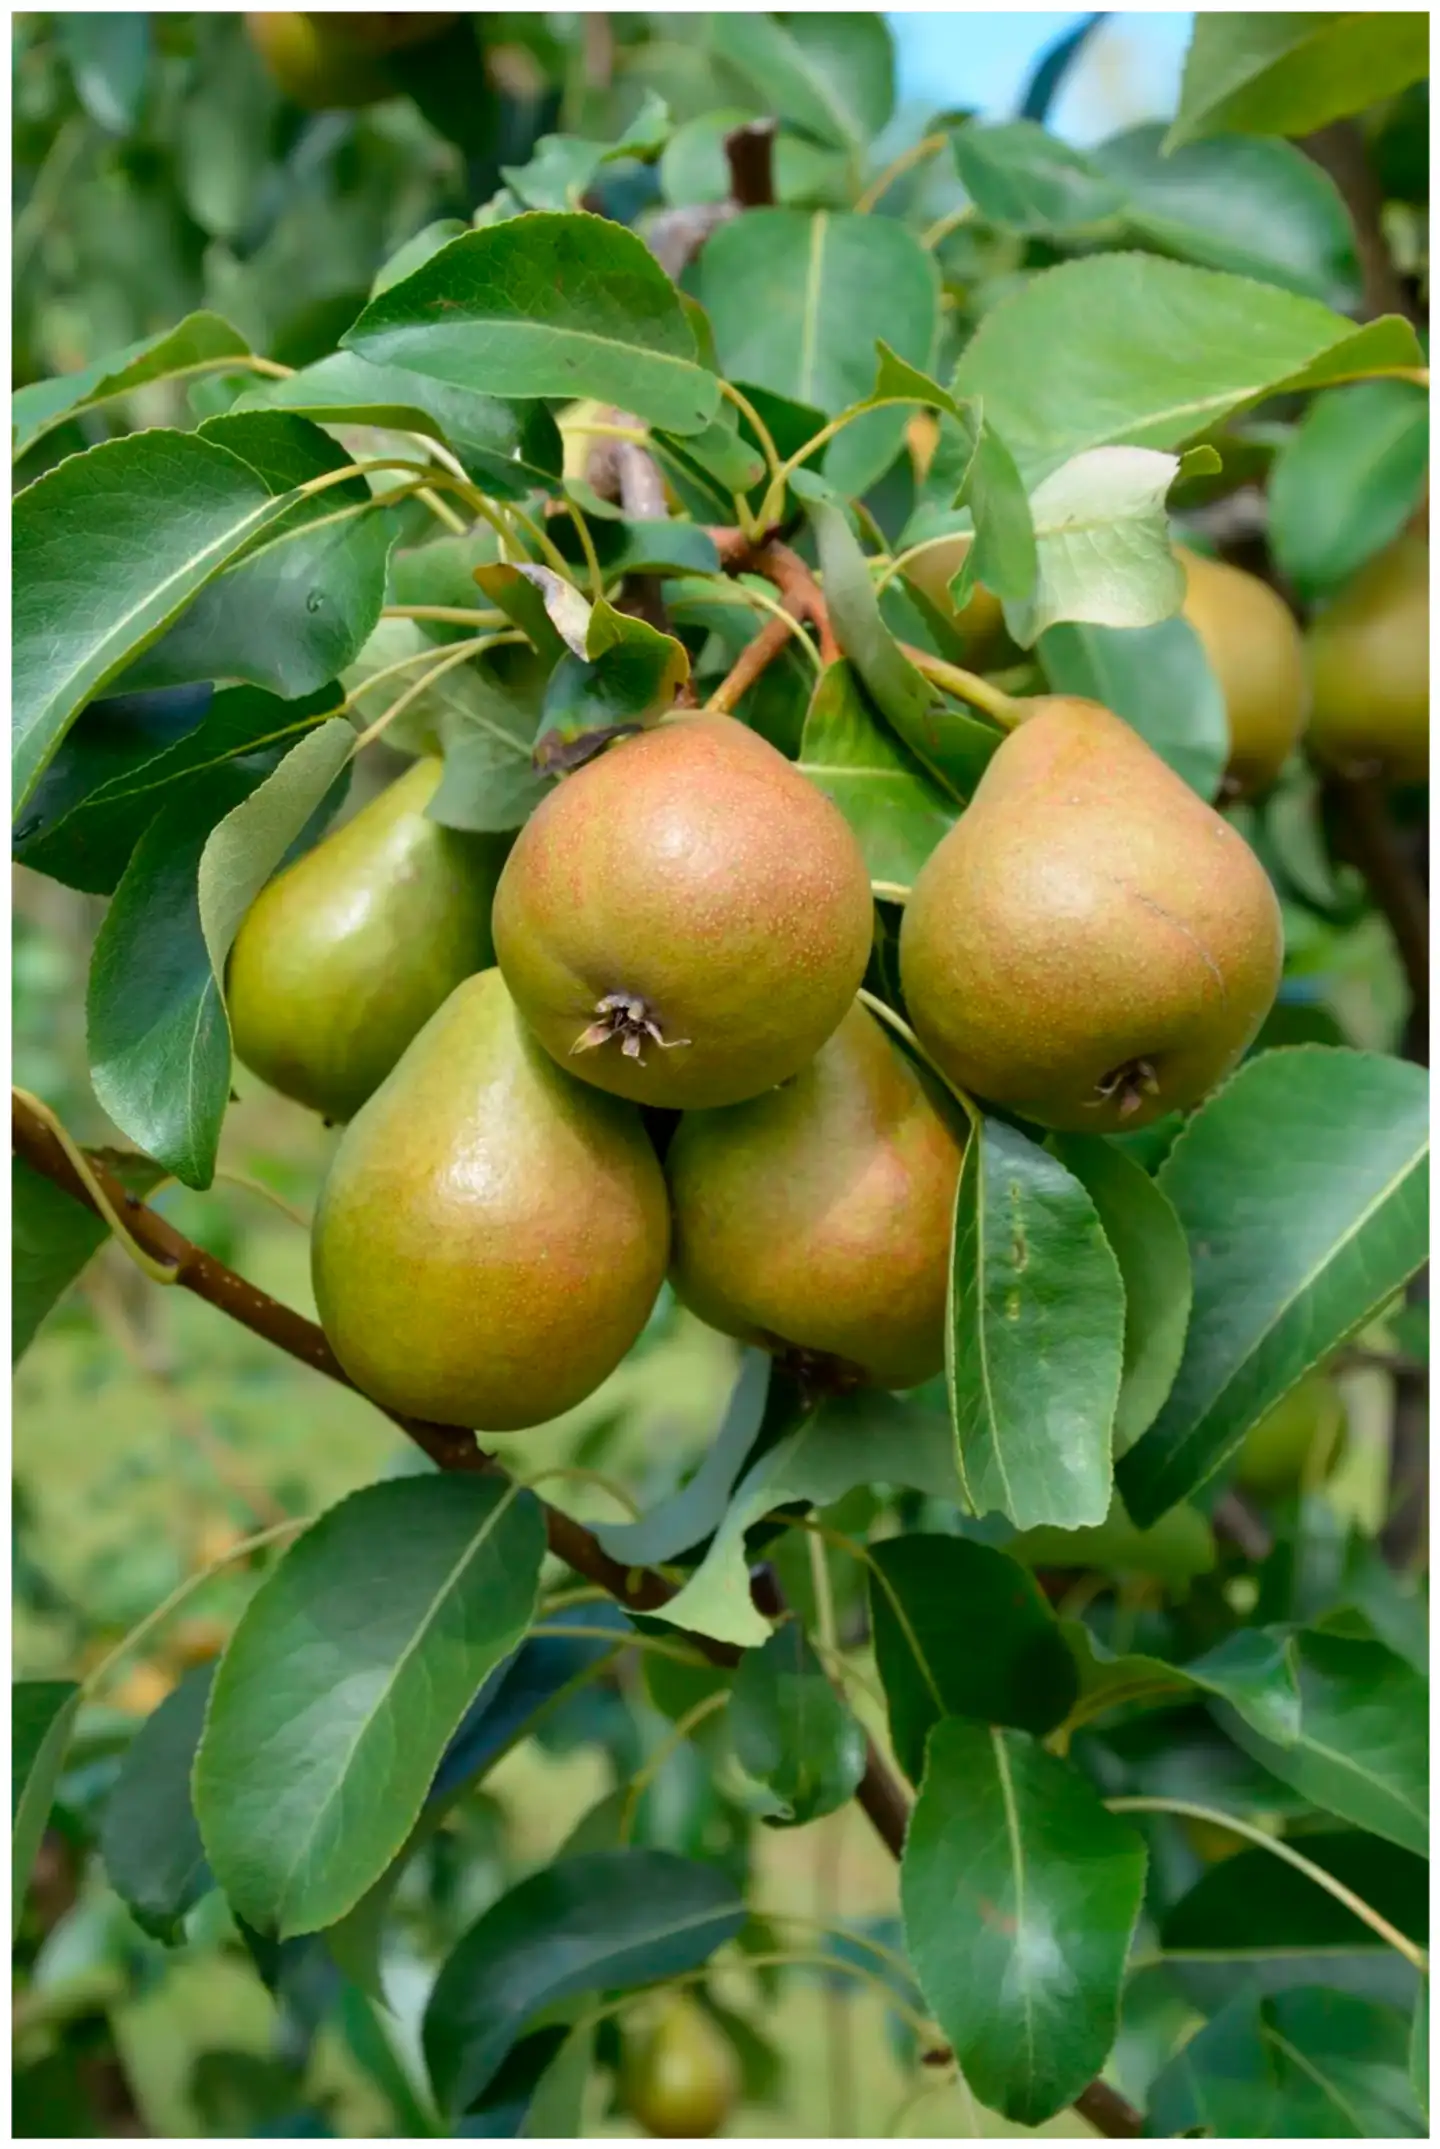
<point x="450" y="1448"/>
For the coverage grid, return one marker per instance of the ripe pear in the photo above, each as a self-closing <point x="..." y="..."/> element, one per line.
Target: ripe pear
<point x="1091" y="946"/>
<point x="344" y="956"/>
<point x="679" y="2076"/>
<point x="686" y="919"/>
<point x="312" y="67"/>
<point x="1370" y="668"/>
<point x="1256" y="653"/>
<point x="491" y="1234"/>
<point x="817" y="1217"/>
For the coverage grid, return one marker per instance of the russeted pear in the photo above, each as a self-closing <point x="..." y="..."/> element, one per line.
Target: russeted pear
<point x="686" y="919"/>
<point x="679" y="2076"/>
<point x="491" y="1234"/>
<point x="1091" y="945"/>
<point x="817" y="1217"/>
<point x="1370" y="668"/>
<point x="1255" y="652"/>
<point x="344" y="956"/>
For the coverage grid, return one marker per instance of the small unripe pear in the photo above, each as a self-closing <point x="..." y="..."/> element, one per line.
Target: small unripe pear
<point x="312" y="68"/>
<point x="491" y="1234"/>
<point x="1256" y="653"/>
<point x="1091" y="946"/>
<point x="817" y="1217"/>
<point x="345" y="956"/>
<point x="1370" y="668"/>
<point x="685" y="920"/>
<point x="679" y="2077"/>
<point x="383" y="33"/>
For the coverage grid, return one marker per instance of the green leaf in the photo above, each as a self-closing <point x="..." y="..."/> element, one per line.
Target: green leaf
<point x="42" y="1716"/>
<point x="149" y="1840"/>
<point x="1102" y="545"/>
<point x="898" y="812"/>
<point x="1250" y="1670"/>
<point x="301" y="602"/>
<point x="695" y="1511"/>
<point x="895" y="686"/>
<point x="963" y="1630"/>
<point x="193" y="347"/>
<point x="1362" y="1746"/>
<point x="791" y="1730"/>
<point x="1155" y="353"/>
<point x="158" y="1033"/>
<point x="629" y="671"/>
<point x="1260" y="208"/>
<point x="415" y="251"/>
<point x="109" y="57"/>
<point x="342" y="1684"/>
<point x="1179" y="1547"/>
<point x="563" y="166"/>
<point x="1307" y="2064"/>
<point x="109" y="780"/>
<point x="52" y="1237"/>
<point x="1020" y="1894"/>
<point x="1302" y="1189"/>
<point x="1036" y="1333"/>
<point x="1148" y="1243"/>
<point x="1289" y="74"/>
<point x="1346" y="481"/>
<point x="602" y="1921"/>
<point x="510" y="449"/>
<point x="1252" y="1911"/>
<point x="1159" y="679"/>
<point x="546" y="306"/>
<point x="848" y="1441"/>
<point x="109" y="547"/>
<point x="1020" y="178"/>
<point x="1420" y="2049"/>
<point x="626" y="547"/>
<point x="1004" y="555"/>
<point x="795" y="301"/>
<point x="831" y="74"/>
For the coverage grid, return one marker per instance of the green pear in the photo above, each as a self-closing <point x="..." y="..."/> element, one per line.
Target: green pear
<point x="1256" y="653"/>
<point x="1370" y="668"/>
<point x="679" y="2077"/>
<point x="491" y="1234"/>
<point x="817" y="1217"/>
<point x="1300" y="1434"/>
<point x="343" y="957"/>
<point x="1091" y="946"/>
<point x="685" y="919"/>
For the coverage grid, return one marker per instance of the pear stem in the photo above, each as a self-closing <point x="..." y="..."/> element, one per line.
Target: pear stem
<point x="449" y="1447"/>
<point x="968" y="685"/>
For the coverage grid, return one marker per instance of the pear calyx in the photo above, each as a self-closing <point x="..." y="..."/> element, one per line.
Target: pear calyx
<point x="630" y="1018"/>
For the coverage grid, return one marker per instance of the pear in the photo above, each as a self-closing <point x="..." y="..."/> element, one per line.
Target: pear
<point x="491" y="1234"/>
<point x="686" y="919"/>
<point x="1091" y="946"/>
<point x="679" y="2076"/>
<point x="1297" y="1438"/>
<point x="817" y="1217"/>
<point x="314" y="68"/>
<point x="1370" y="668"/>
<point x="980" y="621"/>
<point x="1258" y="657"/>
<point x="343" y="957"/>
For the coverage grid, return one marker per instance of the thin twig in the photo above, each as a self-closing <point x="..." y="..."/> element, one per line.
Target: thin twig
<point x="450" y="1448"/>
<point x="799" y="590"/>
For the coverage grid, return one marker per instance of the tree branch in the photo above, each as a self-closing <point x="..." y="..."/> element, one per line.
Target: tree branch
<point x="450" y="1448"/>
<point x="750" y="154"/>
<point x="800" y="593"/>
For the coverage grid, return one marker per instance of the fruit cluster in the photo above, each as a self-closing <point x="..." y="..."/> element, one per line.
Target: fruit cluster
<point x="635" y="1041"/>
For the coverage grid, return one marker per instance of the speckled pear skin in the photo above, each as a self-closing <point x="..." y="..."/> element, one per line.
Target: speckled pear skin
<point x="818" y="1216"/>
<point x="1369" y="657"/>
<point x="1091" y="946"/>
<point x="693" y="870"/>
<point x="1255" y="650"/>
<point x="491" y="1234"/>
<point x="347" y="954"/>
